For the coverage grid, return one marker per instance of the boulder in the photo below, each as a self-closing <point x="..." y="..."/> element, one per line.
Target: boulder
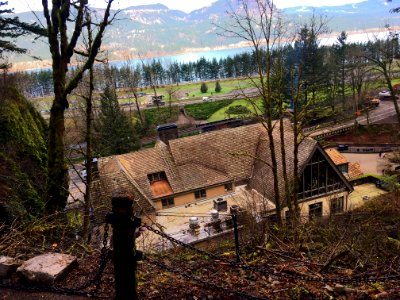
<point x="47" y="268"/>
<point x="8" y="265"/>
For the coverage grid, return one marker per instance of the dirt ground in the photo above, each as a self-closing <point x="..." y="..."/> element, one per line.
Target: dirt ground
<point x="377" y="134"/>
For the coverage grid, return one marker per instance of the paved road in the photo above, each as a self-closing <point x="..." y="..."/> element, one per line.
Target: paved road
<point x="370" y="162"/>
<point x="383" y="111"/>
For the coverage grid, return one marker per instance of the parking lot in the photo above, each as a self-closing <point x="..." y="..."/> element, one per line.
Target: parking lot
<point x="370" y="163"/>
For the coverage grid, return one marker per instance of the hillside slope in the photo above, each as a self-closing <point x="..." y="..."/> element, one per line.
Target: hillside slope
<point x="22" y="157"/>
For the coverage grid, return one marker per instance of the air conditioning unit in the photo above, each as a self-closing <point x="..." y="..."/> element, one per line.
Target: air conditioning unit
<point x="220" y="204"/>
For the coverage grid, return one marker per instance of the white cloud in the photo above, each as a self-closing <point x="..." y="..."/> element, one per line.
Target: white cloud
<point x="291" y="3"/>
<point x="186" y="5"/>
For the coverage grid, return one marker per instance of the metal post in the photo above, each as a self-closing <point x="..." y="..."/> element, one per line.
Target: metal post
<point x="236" y="232"/>
<point x="124" y="245"/>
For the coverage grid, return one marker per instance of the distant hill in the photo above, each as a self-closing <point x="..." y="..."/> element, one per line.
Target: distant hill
<point x="156" y="30"/>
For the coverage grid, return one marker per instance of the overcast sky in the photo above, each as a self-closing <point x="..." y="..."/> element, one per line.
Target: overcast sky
<point x="184" y="5"/>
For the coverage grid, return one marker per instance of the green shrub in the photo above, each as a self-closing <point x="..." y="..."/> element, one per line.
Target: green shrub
<point x="237" y="110"/>
<point x="218" y="87"/>
<point x="202" y="111"/>
<point x="204" y="87"/>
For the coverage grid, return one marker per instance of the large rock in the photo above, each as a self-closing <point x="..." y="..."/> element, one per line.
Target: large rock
<point x="47" y="268"/>
<point x="8" y="265"/>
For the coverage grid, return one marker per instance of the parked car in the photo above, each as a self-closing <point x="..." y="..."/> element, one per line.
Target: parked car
<point x="384" y="94"/>
<point x="373" y="102"/>
<point x="207" y="99"/>
<point x="343" y="147"/>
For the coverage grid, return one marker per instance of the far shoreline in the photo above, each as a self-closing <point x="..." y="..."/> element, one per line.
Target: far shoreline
<point x="26" y="66"/>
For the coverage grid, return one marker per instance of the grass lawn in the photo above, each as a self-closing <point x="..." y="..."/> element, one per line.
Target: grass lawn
<point x="227" y="87"/>
<point x="192" y="90"/>
<point x="221" y="113"/>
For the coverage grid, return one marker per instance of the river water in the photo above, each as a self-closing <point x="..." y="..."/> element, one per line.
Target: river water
<point x="188" y="57"/>
<point x="355" y="37"/>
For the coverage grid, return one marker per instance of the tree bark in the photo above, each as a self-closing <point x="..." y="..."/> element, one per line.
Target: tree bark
<point x="62" y="50"/>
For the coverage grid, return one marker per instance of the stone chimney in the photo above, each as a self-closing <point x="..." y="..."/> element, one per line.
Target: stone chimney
<point x="167" y="132"/>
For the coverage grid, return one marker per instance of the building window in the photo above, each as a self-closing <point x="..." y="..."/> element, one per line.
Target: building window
<point x="344" y="168"/>
<point x="157" y="176"/>
<point x="228" y="187"/>
<point x="337" y="205"/>
<point x="315" y="210"/>
<point x="200" y="194"/>
<point x="167" y="202"/>
<point x="319" y="178"/>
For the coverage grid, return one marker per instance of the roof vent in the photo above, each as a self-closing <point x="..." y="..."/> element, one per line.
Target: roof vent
<point x="167" y="132"/>
<point x="214" y="215"/>
<point x="194" y="223"/>
<point x="235" y="209"/>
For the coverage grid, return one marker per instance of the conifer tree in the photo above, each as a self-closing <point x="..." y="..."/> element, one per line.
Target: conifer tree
<point x="12" y="28"/>
<point x="218" y="87"/>
<point x="204" y="87"/>
<point x="116" y="134"/>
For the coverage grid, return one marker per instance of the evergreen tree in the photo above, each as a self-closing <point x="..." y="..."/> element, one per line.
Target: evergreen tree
<point x="218" y="87"/>
<point x="12" y="28"/>
<point x="116" y="134"/>
<point x="204" y="87"/>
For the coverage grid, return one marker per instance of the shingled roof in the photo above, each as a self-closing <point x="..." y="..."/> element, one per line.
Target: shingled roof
<point x="262" y="176"/>
<point x="220" y="150"/>
<point x="113" y="177"/>
<point x="240" y="154"/>
<point x="354" y="169"/>
<point x="336" y="156"/>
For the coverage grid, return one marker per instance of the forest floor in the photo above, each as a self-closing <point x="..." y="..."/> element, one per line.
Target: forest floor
<point x="308" y="262"/>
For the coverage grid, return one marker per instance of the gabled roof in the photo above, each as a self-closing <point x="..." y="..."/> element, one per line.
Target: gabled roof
<point x="111" y="178"/>
<point x="230" y="151"/>
<point x="335" y="168"/>
<point x="336" y="156"/>
<point x="354" y="169"/>
<point x="214" y="158"/>
<point x="262" y="176"/>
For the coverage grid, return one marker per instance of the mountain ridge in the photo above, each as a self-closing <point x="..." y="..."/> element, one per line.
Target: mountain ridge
<point x="157" y="29"/>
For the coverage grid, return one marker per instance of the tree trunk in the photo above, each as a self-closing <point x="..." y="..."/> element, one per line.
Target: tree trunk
<point x="88" y="138"/>
<point x="283" y="153"/>
<point x="393" y="96"/>
<point x="58" y="179"/>
<point x="138" y="108"/>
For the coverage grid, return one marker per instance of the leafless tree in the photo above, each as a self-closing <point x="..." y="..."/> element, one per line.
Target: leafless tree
<point x="384" y="55"/>
<point x="258" y="22"/>
<point x="62" y="48"/>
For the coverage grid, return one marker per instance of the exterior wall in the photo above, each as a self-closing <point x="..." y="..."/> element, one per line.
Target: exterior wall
<point x="184" y="199"/>
<point x="215" y="191"/>
<point x="326" y="205"/>
<point x="190" y="198"/>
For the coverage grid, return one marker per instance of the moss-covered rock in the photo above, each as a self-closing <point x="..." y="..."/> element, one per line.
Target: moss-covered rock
<point x="22" y="157"/>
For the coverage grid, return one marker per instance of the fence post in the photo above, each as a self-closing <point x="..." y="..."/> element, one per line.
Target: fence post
<point x="124" y="255"/>
<point x="236" y="232"/>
